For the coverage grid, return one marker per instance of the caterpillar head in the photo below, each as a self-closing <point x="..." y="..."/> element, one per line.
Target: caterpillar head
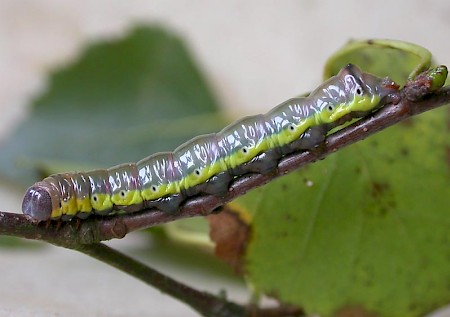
<point x="40" y="202"/>
<point x="352" y="93"/>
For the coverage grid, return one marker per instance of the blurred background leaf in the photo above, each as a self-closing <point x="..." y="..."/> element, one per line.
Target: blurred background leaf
<point x="396" y="59"/>
<point x="119" y="102"/>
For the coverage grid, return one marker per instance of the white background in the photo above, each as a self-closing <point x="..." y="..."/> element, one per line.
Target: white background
<point x="254" y="54"/>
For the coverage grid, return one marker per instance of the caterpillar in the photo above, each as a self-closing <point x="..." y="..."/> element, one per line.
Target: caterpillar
<point x="207" y="163"/>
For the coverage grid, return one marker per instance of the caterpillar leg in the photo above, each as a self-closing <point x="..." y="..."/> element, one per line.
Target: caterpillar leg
<point x="218" y="184"/>
<point x="312" y="138"/>
<point x="83" y="215"/>
<point x="264" y="163"/>
<point x="168" y="204"/>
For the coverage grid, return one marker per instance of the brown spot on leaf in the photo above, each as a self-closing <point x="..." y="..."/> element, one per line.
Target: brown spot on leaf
<point x="289" y="218"/>
<point x="231" y="234"/>
<point x="378" y="189"/>
<point x="404" y="151"/>
<point x="384" y="199"/>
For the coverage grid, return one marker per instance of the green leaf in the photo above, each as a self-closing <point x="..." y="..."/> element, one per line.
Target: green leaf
<point x="366" y="228"/>
<point x="122" y="100"/>
<point x="397" y="59"/>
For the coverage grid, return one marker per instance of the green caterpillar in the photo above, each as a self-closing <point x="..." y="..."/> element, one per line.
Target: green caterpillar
<point x="207" y="163"/>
